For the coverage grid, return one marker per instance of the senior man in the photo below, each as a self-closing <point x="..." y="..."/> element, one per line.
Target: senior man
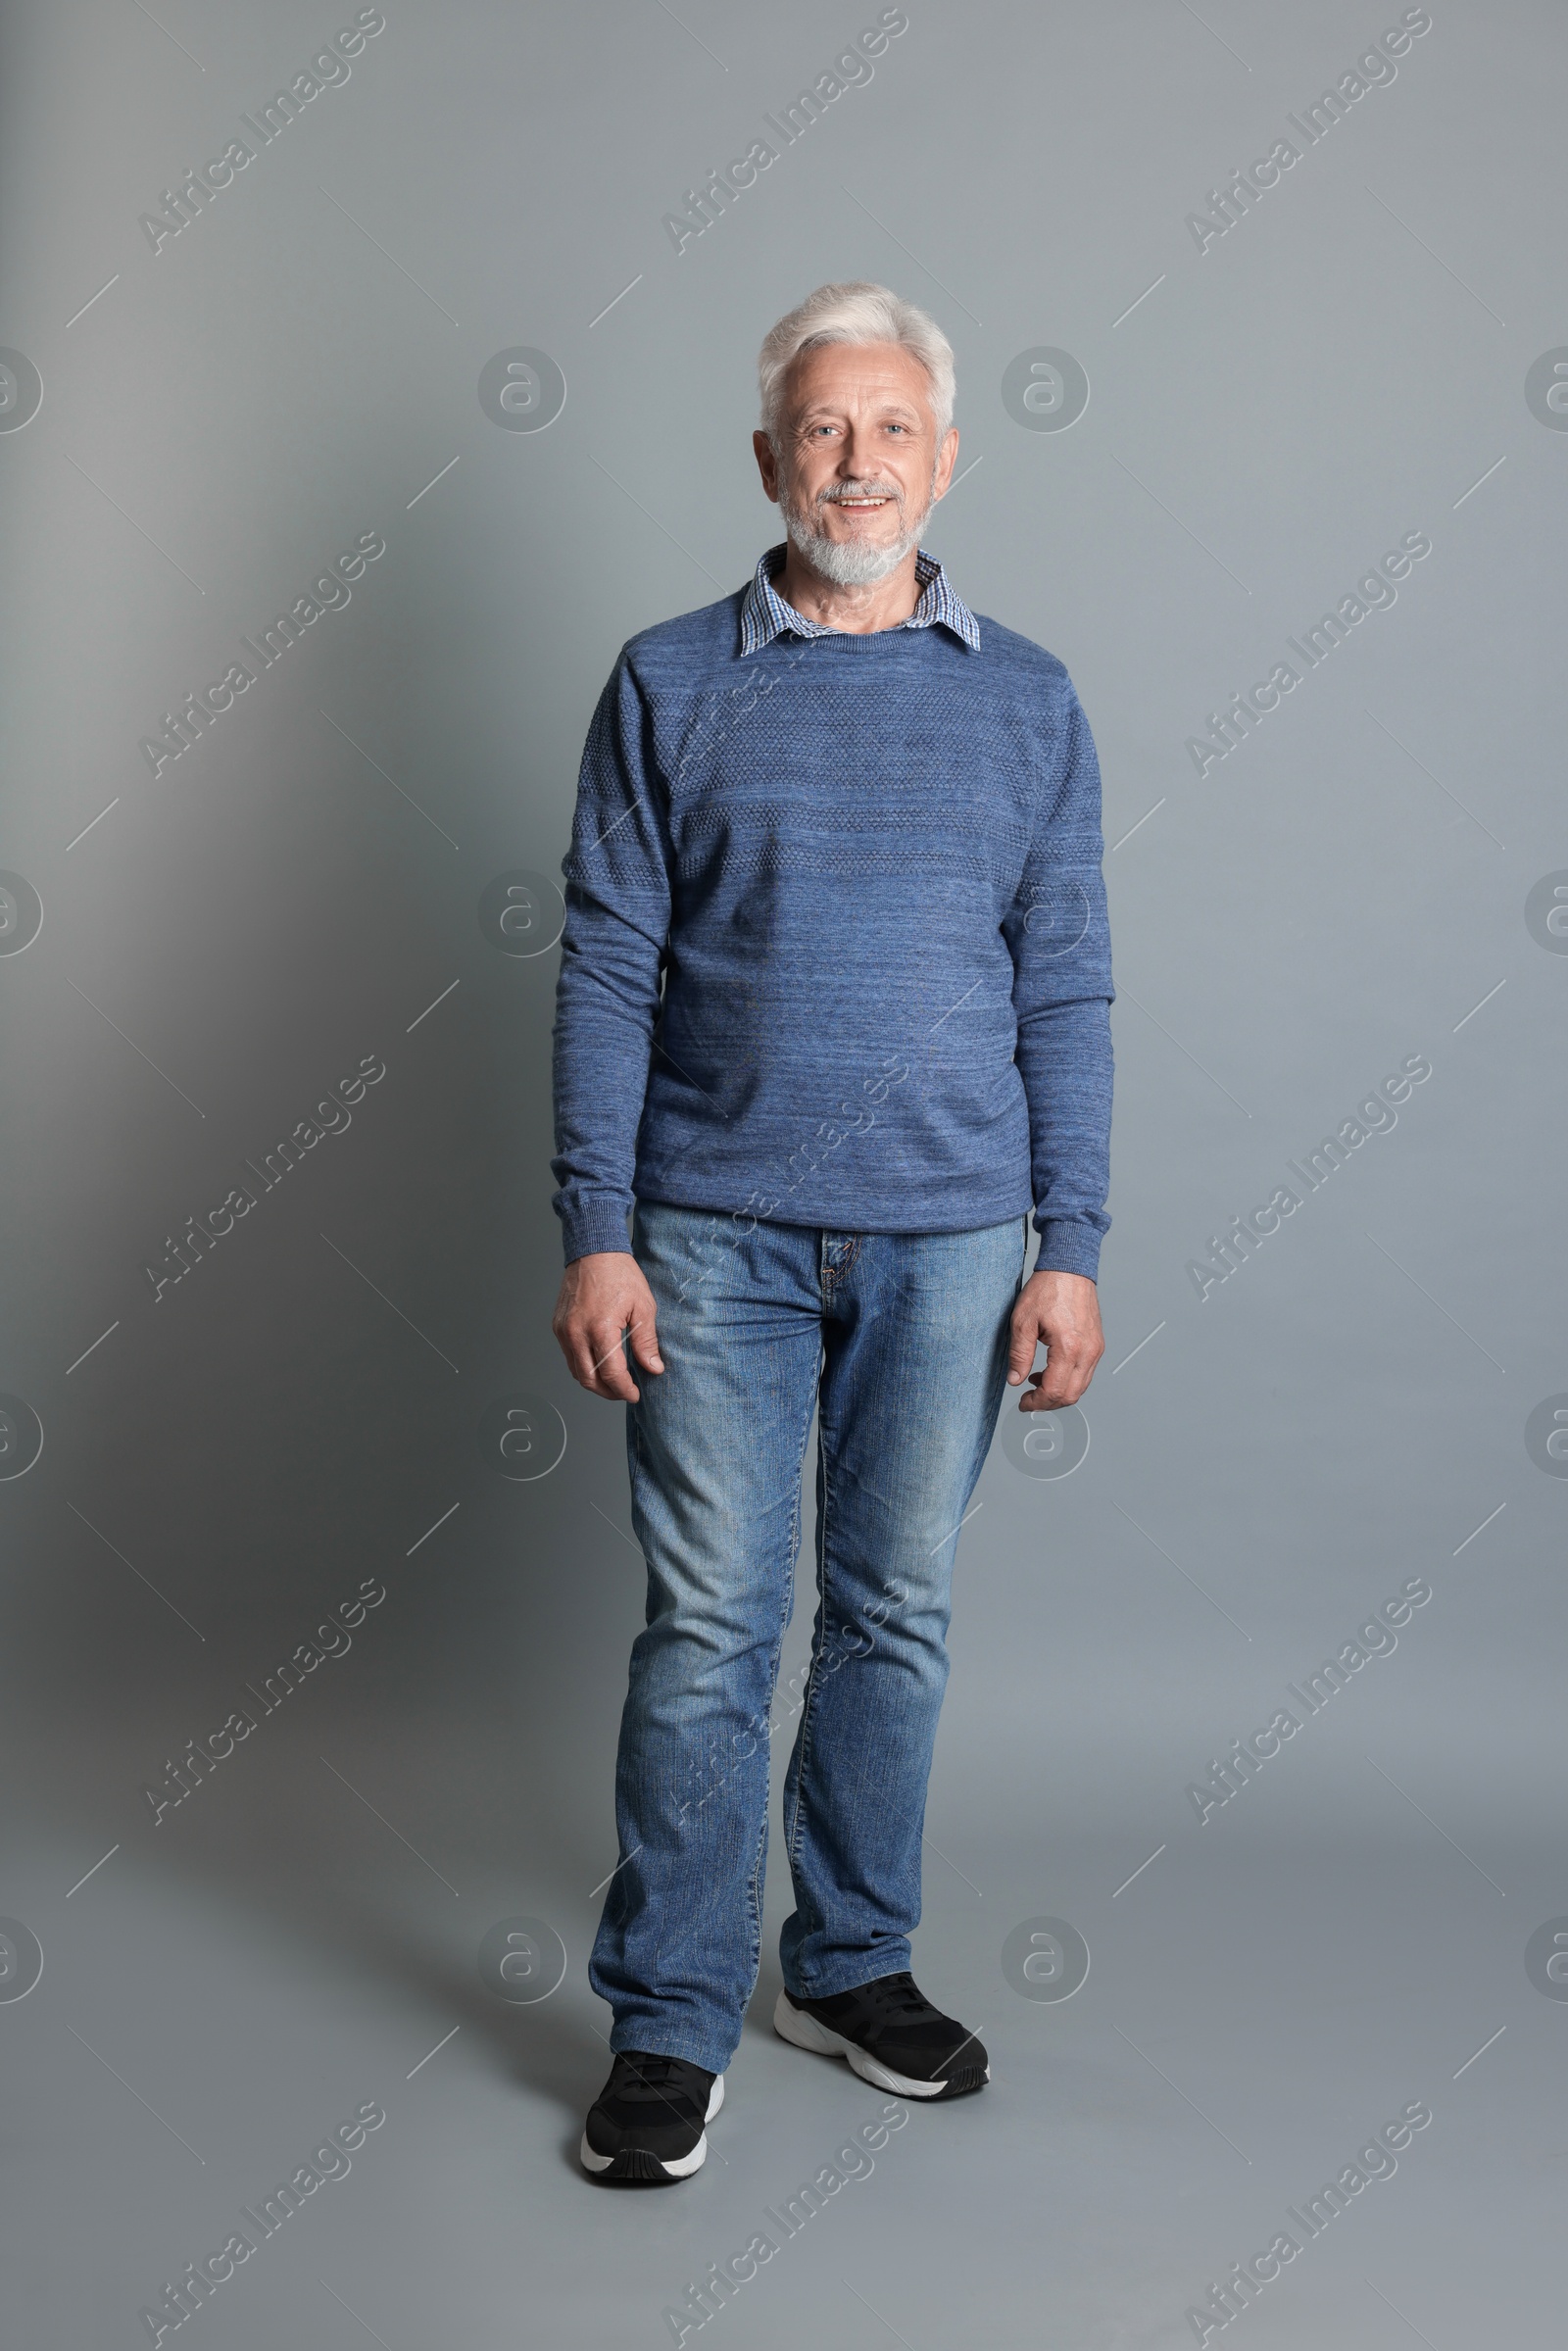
<point x="832" y="1022"/>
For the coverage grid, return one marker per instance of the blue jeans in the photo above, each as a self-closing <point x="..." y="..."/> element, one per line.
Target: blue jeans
<point x="900" y="1341"/>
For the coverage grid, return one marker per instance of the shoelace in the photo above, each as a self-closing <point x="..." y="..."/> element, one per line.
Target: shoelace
<point x="898" y="1995"/>
<point x="647" y="2077"/>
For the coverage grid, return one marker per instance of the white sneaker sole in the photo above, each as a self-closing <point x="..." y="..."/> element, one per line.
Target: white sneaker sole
<point x="680" y="2167"/>
<point x="798" y="2025"/>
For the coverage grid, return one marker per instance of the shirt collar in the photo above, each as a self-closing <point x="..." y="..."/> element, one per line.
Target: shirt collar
<point x="765" y="615"/>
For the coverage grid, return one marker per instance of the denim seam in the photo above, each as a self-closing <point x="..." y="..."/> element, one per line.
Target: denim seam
<point x="786" y="1609"/>
<point x="787" y="1598"/>
<point x="754" y="1897"/>
<point x="811" y="1680"/>
<point x="831" y="1275"/>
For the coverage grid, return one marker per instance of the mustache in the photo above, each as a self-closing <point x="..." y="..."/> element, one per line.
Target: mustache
<point x="836" y="491"/>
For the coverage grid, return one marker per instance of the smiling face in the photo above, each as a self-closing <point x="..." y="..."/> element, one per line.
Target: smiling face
<point x="858" y="462"/>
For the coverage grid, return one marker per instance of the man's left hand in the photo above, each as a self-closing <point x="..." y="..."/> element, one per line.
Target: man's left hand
<point x="1063" y="1310"/>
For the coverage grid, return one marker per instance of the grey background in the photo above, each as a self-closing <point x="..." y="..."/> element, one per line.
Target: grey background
<point x="1345" y="366"/>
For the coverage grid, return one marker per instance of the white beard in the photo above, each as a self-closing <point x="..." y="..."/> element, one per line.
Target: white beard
<point x="847" y="563"/>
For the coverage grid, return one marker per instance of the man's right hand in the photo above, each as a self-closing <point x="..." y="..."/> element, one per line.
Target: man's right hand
<point x="603" y="1296"/>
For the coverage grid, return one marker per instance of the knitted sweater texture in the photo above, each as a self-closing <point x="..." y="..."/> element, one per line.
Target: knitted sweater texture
<point x="836" y="950"/>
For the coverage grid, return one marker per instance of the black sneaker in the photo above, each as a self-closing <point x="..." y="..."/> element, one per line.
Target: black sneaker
<point x="647" y="2122"/>
<point x="892" y="2035"/>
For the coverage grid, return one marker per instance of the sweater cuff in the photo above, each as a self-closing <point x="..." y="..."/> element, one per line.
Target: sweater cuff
<point x="593" y="1224"/>
<point x="1067" y="1244"/>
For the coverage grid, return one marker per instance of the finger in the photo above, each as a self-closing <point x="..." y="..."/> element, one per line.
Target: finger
<point x="606" y="1372"/>
<point x="1063" y="1379"/>
<point x="588" y="1358"/>
<point x="1025" y="1337"/>
<point x="574" y="1346"/>
<point x="645" y="1340"/>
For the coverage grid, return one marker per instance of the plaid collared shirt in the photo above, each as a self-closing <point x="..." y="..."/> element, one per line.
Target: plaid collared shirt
<point x="765" y="615"/>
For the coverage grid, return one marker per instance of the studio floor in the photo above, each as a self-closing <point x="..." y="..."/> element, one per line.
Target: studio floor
<point x="1255" y="2011"/>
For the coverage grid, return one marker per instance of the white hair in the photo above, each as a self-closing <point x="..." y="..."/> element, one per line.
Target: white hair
<point x="857" y="312"/>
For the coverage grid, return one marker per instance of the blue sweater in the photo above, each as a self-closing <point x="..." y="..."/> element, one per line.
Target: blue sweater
<point x="836" y="951"/>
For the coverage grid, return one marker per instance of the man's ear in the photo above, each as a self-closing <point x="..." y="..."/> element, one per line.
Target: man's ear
<point x="946" y="458"/>
<point x="766" y="464"/>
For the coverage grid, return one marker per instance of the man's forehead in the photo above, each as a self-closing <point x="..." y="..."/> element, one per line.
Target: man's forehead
<point x="839" y="374"/>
